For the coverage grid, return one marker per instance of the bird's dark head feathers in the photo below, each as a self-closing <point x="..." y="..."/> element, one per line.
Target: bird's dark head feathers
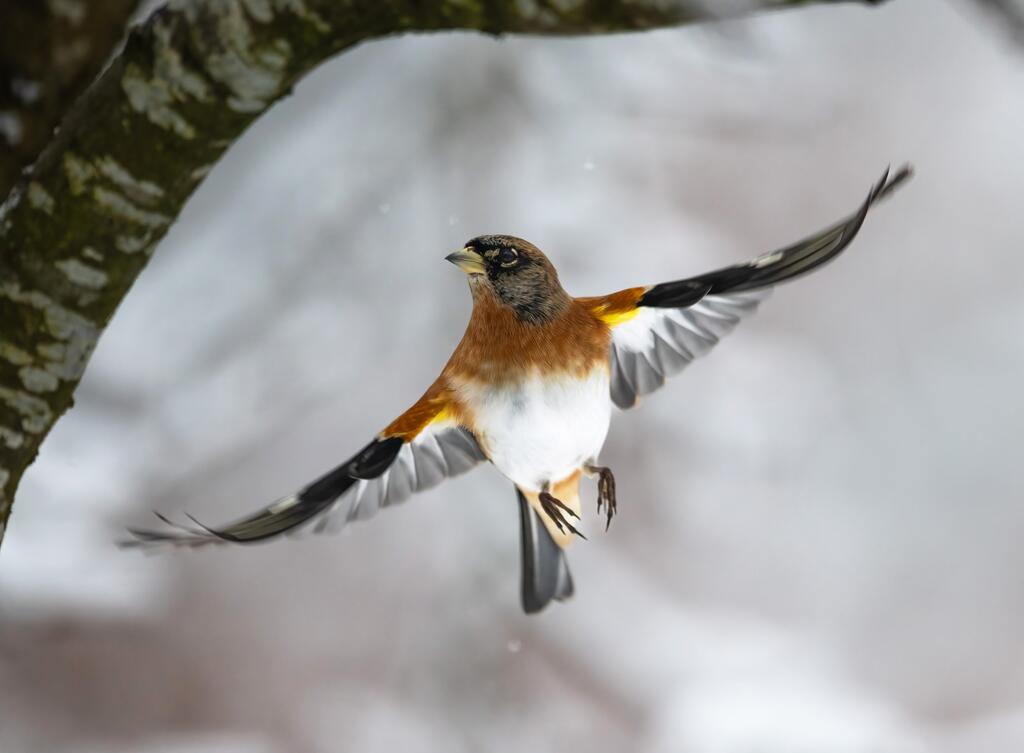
<point x="517" y="273"/>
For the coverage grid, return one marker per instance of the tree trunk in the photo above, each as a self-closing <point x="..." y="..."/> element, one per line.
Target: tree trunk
<point x="80" y="226"/>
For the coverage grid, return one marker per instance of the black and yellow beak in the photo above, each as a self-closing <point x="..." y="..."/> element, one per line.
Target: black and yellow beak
<point x="468" y="260"/>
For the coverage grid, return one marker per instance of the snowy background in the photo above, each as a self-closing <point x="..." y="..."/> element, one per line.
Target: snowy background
<point x="819" y="541"/>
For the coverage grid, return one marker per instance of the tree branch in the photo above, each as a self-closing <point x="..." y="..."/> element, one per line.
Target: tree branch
<point x="77" y="230"/>
<point x="49" y="53"/>
<point x="1010" y="13"/>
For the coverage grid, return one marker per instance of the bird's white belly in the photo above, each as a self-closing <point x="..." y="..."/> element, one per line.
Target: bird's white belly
<point x="541" y="430"/>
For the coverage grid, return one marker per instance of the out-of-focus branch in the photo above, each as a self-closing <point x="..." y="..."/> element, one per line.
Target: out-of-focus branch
<point x="49" y="52"/>
<point x="1010" y="14"/>
<point x="77" y="230"/>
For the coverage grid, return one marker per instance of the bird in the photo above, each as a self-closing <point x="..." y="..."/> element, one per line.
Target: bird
<point x="530" y="389"/>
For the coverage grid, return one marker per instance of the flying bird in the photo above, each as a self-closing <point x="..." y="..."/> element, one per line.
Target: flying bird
<point x="530" y="389"/>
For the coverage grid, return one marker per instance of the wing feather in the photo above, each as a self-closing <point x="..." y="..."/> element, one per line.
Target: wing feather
<point x="658" y="330"/>
<point x="417" y="451"/>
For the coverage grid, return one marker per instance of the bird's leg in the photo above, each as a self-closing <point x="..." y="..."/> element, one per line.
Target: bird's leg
<point x="553" y="508"/>
<point x="605" y="490"/>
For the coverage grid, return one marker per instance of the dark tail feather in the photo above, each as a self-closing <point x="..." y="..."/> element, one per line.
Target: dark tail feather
<point x="545" y="570"/>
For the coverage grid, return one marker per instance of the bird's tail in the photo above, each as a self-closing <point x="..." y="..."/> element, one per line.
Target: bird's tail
<point x="545" y="571"/>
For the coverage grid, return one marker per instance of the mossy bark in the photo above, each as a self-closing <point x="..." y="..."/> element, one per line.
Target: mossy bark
<point x="79" y="227"/>
<point x="49" y="52"/>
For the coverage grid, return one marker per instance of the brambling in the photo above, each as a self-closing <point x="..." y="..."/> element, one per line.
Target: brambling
<point x="530" y="389"/>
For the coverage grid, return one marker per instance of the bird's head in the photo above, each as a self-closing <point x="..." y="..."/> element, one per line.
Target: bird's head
<point x="515" y="273"/>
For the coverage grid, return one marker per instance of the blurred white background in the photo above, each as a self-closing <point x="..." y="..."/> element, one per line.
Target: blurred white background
<point x="819" y="541"/>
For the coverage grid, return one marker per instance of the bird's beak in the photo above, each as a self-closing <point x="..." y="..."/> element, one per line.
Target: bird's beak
<point x="468" y="260"/>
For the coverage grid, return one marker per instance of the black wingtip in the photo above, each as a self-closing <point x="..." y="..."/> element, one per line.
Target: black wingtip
<point x="890" y="183"/>
<point x="284" y="515"/>
<point x="783" y="264"/>
<point x="177" y="534"/>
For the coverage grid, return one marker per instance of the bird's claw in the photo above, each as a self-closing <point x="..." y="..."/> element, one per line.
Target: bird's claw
<point x="605" y="493"/>
<point x="554" y="508"/>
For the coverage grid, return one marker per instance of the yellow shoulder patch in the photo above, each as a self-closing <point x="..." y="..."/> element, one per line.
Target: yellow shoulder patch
<point x="616" y="308"/>
<point x="435" y="406"/>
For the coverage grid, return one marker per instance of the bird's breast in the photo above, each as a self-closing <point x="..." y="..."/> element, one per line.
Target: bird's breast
<point x="539" y="428"/>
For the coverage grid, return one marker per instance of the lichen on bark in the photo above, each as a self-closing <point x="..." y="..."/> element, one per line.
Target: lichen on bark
<point x="79" y="227"/>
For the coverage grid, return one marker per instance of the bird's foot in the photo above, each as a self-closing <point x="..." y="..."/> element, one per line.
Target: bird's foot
<point x="554" y="508"/>
<point x="605" y="491"/>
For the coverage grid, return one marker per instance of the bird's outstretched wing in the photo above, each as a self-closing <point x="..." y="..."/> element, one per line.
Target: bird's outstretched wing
<point x="418" y="450"/>
<point x="658" y="330"/>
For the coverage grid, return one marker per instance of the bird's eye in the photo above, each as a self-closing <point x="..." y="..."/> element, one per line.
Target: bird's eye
<point x="508" y="257"/>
